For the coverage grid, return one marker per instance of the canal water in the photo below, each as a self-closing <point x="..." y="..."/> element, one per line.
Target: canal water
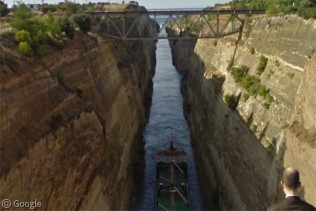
<point x="166" y="113"/>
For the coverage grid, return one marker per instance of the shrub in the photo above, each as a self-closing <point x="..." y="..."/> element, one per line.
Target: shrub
<point x="84" y="23"/>
<point x="262" y="64"/>
<point x="266" y="105"/>
<point x="307" y="12"/>
<point x="23" y="36"/>
<point x="248" y="27"/>
<point x="46" y="8"/>
<point x="238" y="73"/>
<point x="70" y="7"/>
<point x="277" y="63"/>
<point x="253" y="127"/>
<point x="245" y="96"/>
<point x="58" y="44"/>
<point x="60" y="77"/>
<point x="67" y="27"/>
<point x="40" y="37"/>
<point x="250" y="84"/>
<point x="231" y="101"/>
<point x="291" y="75"/>
<point x="262" y="91"/>
<point x="51" y="24"/>
<point x="25" y="48"/>
<point x="252" y="50"/>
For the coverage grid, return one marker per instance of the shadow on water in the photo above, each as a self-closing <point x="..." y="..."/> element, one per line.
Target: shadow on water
<point x="165" y="113"/>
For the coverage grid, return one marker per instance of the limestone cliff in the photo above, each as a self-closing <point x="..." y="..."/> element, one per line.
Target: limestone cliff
<point x="71" y="122"/>
<point x="241" y="153"/>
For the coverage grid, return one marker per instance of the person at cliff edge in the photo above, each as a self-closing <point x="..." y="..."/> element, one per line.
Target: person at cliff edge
<point x="291" y="184"/>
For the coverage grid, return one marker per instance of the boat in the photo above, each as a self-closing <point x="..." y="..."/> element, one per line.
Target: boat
<point x="171" y="179"/>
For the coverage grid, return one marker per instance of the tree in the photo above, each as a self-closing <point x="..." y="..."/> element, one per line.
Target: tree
<point x="51" y="24"/>
<point x="3" y="9"/>
<point x="24" y="20"/>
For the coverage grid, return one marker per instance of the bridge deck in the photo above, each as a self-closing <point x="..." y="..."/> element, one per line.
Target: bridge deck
<point x="180" y="12"/>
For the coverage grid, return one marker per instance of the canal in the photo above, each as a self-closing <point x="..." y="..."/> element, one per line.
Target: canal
<point x="166" y="113"/>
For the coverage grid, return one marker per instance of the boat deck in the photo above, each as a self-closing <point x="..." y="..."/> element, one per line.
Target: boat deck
<point x="172" y="193"/>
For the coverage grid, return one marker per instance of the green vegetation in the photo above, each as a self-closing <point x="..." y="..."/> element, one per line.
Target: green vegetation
<point x="231" y="101"/>
<point x="33" y="30"/>
<point x="84" y="23"/>
<point x="291" y="75"/>
<point x="245" y="96"/>
<point x="248" y="27"/>
<point x="3" y="9"/>
<point x="270" y="73"/>
<point x="238" y="73"/>
<point x="262" y="91"/>
<point x="304" y="8"/>
<point x="250" y="84"/>
<point x="60" y="77"/>
<point x="188" y="23"/>
<point x="67" y="27"/>
<point x="253" y="127"/>
<point x="262" y="65"/>
<point x="53" y="28"/>
<point x="277" y="63"/>
<point x="266" y="105"/>
<point x="25" y="48"/>
<point x="23" y="36"/>
<point x="252" y="50"/>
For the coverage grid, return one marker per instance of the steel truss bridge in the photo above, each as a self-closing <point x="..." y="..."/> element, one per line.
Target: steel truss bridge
<point x="190" y="23"/>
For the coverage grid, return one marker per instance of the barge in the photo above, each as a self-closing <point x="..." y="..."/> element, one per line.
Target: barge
<point x="171" y="179"/>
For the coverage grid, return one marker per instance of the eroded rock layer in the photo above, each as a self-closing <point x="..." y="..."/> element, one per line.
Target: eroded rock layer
<point x="71" y="122"/>
<point x="241" y="152"/>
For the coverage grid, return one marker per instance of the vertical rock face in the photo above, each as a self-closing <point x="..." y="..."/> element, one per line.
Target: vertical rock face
<point x="70" y="124"/>
<point x="241" y="153"/>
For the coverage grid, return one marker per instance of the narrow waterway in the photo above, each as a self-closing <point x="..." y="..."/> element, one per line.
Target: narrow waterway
<point x="166" y="113"/>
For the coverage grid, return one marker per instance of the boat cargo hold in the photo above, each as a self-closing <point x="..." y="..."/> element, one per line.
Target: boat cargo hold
<point x="171" y="180"/>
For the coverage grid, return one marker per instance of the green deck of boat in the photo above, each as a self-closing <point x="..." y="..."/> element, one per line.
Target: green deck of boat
<point x="164" y="197"/>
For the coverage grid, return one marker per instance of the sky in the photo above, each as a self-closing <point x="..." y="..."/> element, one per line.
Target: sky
<point x="149" y="4"/>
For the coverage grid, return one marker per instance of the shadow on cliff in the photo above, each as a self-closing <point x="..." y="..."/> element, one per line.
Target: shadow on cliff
<point x="231" y="162"/>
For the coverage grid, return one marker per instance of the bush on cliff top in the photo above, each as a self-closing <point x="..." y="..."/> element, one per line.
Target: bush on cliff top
<point x="36" y="30"/>
<point x="304" y="8"/>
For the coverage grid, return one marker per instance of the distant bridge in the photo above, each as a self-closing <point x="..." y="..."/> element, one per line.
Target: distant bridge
<point x="190" y="23"/>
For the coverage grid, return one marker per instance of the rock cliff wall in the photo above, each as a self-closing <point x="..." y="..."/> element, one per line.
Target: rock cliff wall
<point x="241" y="153"/>
<point x="71" y="122"/>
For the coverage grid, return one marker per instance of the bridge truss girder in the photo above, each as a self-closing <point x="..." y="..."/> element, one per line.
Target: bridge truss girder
<point x="189" y="24"/>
